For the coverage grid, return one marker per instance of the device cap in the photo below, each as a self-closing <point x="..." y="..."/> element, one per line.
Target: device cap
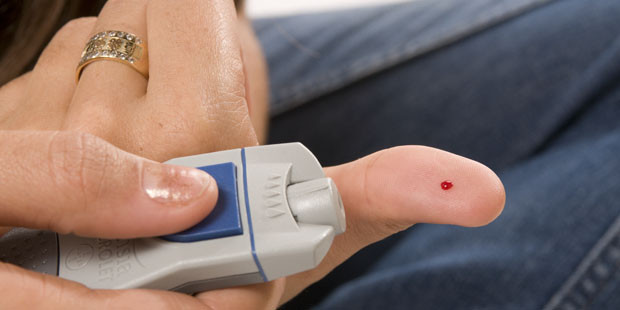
<point x="317" y="202"/>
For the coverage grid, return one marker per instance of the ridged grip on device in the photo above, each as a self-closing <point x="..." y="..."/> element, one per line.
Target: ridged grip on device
<point x="30" y="249"/>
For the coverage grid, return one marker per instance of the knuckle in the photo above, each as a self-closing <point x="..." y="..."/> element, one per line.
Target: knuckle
<point x="231" y="89"/>
<point x="367" y="186"/>
<point x="392" y="227"/>
<point x="79" y="161"/>
<point x="231" y="100"/>
<point x="97" y="118"/>
<point x="385" y="225"/>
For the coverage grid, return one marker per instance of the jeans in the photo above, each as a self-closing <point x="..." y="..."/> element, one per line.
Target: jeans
<point x="529" y="88"/>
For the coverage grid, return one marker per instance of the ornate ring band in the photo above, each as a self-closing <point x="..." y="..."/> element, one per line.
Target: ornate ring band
<point x="117" y="46"/>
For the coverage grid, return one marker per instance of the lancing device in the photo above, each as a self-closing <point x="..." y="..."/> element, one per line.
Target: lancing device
<point x="276" y="215"/>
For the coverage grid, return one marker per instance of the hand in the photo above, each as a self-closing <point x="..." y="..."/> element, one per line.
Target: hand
<point x="382" y="193"/>
<point x="195" y="100"/>
<point x="193" y="105"/>
<point x="58" y="174"/>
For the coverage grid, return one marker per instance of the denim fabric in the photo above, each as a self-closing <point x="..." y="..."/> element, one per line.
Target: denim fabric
<point x="551" y="223"/>
<point x="530" y="88"/>
<point x="332" y="50"/>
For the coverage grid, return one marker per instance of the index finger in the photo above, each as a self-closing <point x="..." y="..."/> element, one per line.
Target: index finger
<point x="72" y="182"/>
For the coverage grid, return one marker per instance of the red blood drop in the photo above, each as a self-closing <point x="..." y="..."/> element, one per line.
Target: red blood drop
<point x="446" y="185"/>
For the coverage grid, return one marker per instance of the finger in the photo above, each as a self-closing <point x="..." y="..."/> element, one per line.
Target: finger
<point x="52" y="82"/>
<point x="107" y="87"/>
<point x="403" y="186"/>
<point x="257" y="296"/>
<point x="32" y="290"/>
<point x="196" y="77"/>
<point x="195" y="47"/>
<point x="12" y="95"/>
<point x="72" y="182"/>
<point x="393" y="189"/>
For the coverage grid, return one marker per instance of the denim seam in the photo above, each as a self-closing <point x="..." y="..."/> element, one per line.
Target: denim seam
<point x="298" y="94"/>
<point x="593" y="273"/>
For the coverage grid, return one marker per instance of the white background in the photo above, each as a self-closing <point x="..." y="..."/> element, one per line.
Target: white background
<point x="265" y="8"/>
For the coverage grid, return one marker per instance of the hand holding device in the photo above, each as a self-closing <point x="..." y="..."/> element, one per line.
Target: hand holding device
<point x="276" y="215"/>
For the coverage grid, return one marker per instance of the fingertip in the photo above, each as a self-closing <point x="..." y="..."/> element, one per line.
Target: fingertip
<point x="165" y="200"/>
<point x="427" y="185"/>
<point x="176" y="185"/>
<point x="475" y="196"/>
<point x="487" y="197"/>
<point x="177" y="197"/>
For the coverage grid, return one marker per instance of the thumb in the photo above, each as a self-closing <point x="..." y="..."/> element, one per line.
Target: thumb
<point x="393" y="189"/>
<point x="405" y="185"/>
<point x="73" y="182"/>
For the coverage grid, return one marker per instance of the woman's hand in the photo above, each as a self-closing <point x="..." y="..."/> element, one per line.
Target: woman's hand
<point x="60" y="183"/>
<point x="195" y="101"/>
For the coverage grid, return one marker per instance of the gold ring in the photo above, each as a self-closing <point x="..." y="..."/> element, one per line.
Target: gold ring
<point x="117" y="46"/>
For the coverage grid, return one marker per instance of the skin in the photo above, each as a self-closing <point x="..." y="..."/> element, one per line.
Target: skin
<point x="92" y="150"/>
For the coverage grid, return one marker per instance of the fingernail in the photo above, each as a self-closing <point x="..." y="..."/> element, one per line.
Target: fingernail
<point x="174" y="184"/>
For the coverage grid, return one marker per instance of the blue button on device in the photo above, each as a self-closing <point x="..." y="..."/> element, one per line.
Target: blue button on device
<point x="224" y="220"/>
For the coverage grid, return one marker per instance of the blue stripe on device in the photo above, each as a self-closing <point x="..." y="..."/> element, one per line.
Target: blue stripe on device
<point x="247" y="207"/>
<point x="224" y="220"/>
